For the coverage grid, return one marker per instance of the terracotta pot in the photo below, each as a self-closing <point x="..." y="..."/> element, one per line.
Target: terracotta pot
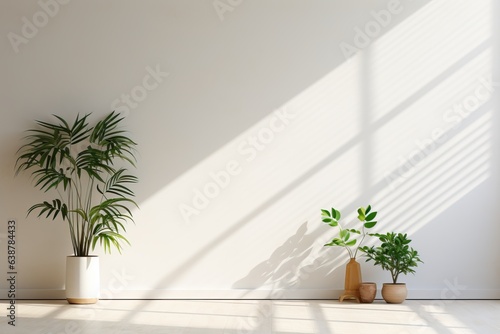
<point x="394" y="293"/>
<point x="352" y="280"/>
<point x="82" y="279"/>
<point x="367" y="292"/>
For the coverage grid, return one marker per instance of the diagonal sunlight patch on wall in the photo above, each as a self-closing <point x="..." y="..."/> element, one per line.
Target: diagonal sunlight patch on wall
<point x="450" y="105"/>
<point x="425" y="44"/>
<point x="267" y="162"/>
<point x="410" y="142"/>
<point x="310" y="119"/>
<point x="458" y="167"/>
<point x="255" y="201"/>
<point x="443" y="107"/>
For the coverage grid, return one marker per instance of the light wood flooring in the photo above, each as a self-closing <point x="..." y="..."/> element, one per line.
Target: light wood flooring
<point x="253" y="316"/>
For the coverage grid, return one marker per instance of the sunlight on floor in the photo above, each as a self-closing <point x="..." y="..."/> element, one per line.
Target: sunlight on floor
<point x="259" y="316"/>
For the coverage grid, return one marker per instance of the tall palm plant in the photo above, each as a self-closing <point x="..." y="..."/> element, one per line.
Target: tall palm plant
<point x="84" y="165"/>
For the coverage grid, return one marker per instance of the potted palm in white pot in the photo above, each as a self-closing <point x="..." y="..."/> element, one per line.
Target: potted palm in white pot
<point x="82" y="166"/>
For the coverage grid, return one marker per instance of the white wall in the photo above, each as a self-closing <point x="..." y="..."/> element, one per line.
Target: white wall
<point x="405" y="124"/>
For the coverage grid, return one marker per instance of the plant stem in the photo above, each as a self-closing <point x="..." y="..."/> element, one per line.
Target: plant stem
<point x="359" y="245"/>
<point x="350" y="252"/>
<point x="89" y="226"/>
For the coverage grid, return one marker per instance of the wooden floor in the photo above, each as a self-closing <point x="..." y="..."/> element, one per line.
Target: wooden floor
<point x="252" y="316"/>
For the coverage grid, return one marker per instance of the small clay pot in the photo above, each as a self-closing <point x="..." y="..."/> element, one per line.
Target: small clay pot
<point x="367" y="292"/>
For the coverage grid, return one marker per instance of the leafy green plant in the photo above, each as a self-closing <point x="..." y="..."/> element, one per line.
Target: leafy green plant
<point x="80" y="163"/>
<point x="394" y="254"/>
<point x="347" y="238"/>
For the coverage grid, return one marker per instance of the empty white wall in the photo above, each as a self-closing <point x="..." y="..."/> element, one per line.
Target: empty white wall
<point x="263" y="89"/>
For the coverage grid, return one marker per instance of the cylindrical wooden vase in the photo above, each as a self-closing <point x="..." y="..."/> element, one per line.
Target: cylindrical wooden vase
<point x="352" y="280"/>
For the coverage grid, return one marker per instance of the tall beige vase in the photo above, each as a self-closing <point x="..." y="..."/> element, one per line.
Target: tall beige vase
<point x="352" y="281"/>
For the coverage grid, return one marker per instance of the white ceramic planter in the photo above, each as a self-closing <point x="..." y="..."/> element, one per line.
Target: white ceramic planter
<point x="82" y="279"/>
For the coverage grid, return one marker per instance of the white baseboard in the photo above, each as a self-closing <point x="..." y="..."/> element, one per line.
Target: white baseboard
<point x="452" y="295"/>
<point x="247" y="294"/>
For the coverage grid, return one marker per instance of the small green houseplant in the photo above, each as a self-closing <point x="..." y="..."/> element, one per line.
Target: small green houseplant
<point x="348" y="239"/>
<point x="82" y="166"/>
<point x="395" y="255"/>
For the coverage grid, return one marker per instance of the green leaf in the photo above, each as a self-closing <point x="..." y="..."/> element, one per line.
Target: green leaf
<point x="338" y="242"/>
<point x="371" y="216"/>
<point x="368" y="209"/>
<point x="336" y="214"/>
<point x="361" y="214"/>
<point x="51" y="209"/>
<point x="345" y="235"/>
<point x="335" y="242"/>
<point x="334" y="223"/>
<point x="351" y="243"/>
<point x="370" y="224"/>
<point x="325" y="213"/>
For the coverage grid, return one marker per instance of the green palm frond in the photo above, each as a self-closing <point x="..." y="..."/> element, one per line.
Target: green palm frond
<point x="116" y="184"/>
<point x="117" y="144"/>
<point x="78" y="161"/>
<point x="56" y="207"/>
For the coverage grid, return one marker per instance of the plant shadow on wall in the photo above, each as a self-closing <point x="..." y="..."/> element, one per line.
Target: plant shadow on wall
<point x="294" y="265"/>
<point x="436" y="175"/>
<point x="297" y="249"/>
<point x="289" y="266"/>
<point x="411" y="209"/>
